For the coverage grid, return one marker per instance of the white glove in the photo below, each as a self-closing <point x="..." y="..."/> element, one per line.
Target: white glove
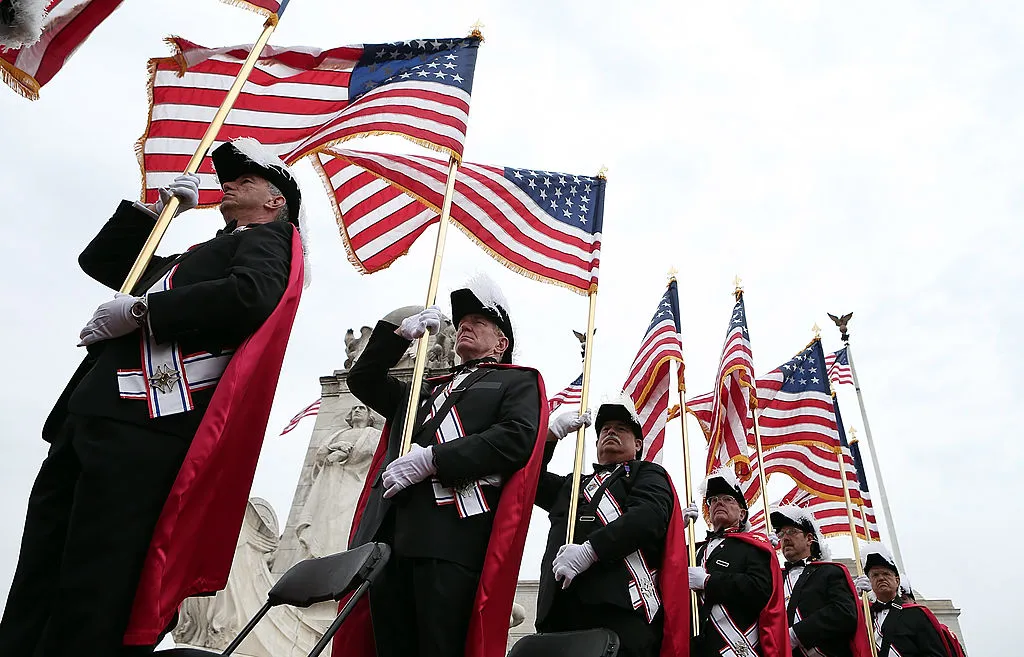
<point x="565" y="423"/>
<point x="698" y="577"/>
<point x="415" y="326"/>
<point x="407" y="470"/>
<point x="774" y="540"/>
<point x="571" y="560"/>
<point x="690" y="513"/>
<point x="862" y="583"/>
<point x="186" y="188"/>
<point x="111" y="320"/>
<point x="793" y="640"/>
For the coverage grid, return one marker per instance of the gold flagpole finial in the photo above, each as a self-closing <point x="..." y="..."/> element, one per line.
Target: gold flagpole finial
<point x="603" y="172"/>
<point x="475" y="30"/>
<point x="672" y="271"/>
<point x="853" y="434"/>
<point x="738" y="285"/>
<point x="817" y="331"/>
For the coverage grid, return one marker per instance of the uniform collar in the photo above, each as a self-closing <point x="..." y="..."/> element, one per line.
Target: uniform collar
<point x="470" y="365"/>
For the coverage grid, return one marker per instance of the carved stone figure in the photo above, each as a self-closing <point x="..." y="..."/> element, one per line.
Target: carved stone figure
<point x="339" y="470"/>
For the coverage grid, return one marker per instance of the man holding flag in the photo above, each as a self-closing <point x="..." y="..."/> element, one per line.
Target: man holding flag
<point x="628" y="538"/>
<point x="455" y="509"/>
<point x="739" y="587"/>
<point x="154" y="441"/>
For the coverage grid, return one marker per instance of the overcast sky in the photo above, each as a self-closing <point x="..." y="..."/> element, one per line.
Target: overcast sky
<point x="839" y="157"/>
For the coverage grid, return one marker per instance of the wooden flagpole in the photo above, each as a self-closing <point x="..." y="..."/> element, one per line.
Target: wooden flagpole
<point x="420" y="366"/>
<point x="577" y="467"/>
<point x="171" y="207"/>
<point x="757" y="435"/>
<point x="691" y="539"/>
<point x="869" y="626"/>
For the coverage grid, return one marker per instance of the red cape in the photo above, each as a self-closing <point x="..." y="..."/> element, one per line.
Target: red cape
<point x="859" y="643"/>
<point x="488" y="625"/>
<point x="773" y="625"/>
<point x="949" y="640"/>
<point x="194" y="540"/>
<point x="675" y="599"/>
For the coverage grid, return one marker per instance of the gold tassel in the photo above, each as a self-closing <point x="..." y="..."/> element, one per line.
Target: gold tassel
<point x="23" y="83"/>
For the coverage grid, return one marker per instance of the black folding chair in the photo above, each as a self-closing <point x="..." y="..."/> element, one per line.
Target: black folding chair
<point x="586" y="643"/>
<point x="309" y="582"/>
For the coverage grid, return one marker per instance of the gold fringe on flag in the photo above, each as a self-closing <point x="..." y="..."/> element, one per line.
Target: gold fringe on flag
<point x="17" y="79"/>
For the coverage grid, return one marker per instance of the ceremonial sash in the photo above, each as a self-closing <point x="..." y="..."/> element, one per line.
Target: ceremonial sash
<point x="168" y="378"/>
<point x="469" y="499"/>
<point x="797" y="617"/>
<point x="885" y="649"/>
<point x="643" y="591"/>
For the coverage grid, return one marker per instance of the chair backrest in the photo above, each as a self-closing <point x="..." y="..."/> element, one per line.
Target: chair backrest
<point x="586" y="643"/>
<point x="327" y="578"/>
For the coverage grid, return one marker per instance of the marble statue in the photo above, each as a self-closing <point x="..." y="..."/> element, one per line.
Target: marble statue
<point x="339" y="470"/>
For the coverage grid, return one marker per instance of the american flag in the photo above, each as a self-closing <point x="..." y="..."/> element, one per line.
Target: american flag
<point x="795" y="403"/>
<point x="734" y="396"/>
<point x="648" y="381"/>
<point x="838" y="364"/>
<point x="67" y="25"/>
<point x="852" y="449"/>
<point x="831" y="516"/>
<point x="571" y="394"/>
<point x="309" y="411"/>
<point x="298" y="100"/>
<point x="542" y="224"/>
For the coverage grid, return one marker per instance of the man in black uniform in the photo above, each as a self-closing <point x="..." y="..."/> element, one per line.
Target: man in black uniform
<point x="821" y="606"/>
<point x="113" y="457"/>
<point x="436" y="505"/>
<point x="735" y="579"/>
<point x="607" y="577"/>
<point x="902" y="627"/>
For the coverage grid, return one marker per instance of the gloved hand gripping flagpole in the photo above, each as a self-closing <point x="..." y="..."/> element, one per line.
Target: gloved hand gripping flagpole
<point x="420" y="367"/>
<point x="171" y="206"/>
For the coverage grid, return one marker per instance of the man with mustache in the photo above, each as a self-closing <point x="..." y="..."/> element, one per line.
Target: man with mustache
<point x="740" y="601"/>
<point x="821" y="602"/>
<point x="623" y="543"/>
<point x="903" y="628"/>
<point x="472" y="469"/>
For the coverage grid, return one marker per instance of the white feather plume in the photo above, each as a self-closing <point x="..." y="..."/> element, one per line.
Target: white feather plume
<point x="264" y="156"/>
<point x="880" y="550"/>
<point x="622" y="399"/>
<point x="27" y="26"/>
<point x="799" y="514"/>
<point x="726" y="472"/>
<point x="488" y="293"/>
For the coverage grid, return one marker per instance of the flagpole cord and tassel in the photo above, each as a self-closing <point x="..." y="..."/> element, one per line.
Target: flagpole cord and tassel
<point x="420" y="365"/>
<point x="869" y="625"/>
<point x="171" y="207"/>
<point x="842" y="324"/>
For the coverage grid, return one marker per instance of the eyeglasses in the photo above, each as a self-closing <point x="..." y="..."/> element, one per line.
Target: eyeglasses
<point x="724" y="499"/>
<point x="789" y="531"/>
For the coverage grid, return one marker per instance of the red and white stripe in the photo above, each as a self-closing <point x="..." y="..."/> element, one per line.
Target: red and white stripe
<point x="295" y="101"/>
<point x="785" y="418"/>
<point x="734" y="396"/>
<point x="494" y="212"/>
<point x="67" y="25"/>
<point x="309" y="411"/>
<point x="838" y="373"/>
<point x="571" y="394"/>
<point x="265" y="7"/>
<point x="831" y="515"/>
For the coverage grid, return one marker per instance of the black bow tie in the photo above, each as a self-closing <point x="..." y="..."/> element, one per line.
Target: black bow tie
<point x="790" y="565"/>
<point x="228" y="229"/>
<point x="470" y="364"/>
<point x="878" y="606"/>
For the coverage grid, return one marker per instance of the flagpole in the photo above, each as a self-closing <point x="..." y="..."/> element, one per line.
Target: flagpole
<point x="420" y="365"/>
<point x="760" y="471"/>
<point x="842" y="323"/>
<point x="691" y="538"/>
<point x="864" y="521"/>
<point x="577" y="467"/>
<point x="856" y="550"/>
<point x="171" y="207"/>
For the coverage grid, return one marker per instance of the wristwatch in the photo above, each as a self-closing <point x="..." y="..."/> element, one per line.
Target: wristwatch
<point x="139" y="310"/>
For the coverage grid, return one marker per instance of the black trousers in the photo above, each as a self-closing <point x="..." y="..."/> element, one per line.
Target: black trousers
<point x="637" y="637"/>
<point x="90" y="519"/>
<point x="421" y="607"/>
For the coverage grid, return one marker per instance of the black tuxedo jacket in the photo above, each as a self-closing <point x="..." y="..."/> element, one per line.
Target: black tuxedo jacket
<point x="645" y="496"/>
<point x="500" y="412"/>
<point x="223" y="290"/>
<point x="909" y="632"/>
<point x="828" y="609"/>
<point x="740" y="580"/>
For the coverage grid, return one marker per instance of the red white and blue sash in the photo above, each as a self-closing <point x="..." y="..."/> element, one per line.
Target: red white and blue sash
<point x="469" y="499"/>
<point x="643" y="590"/>
<point x="167" y="377"/>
